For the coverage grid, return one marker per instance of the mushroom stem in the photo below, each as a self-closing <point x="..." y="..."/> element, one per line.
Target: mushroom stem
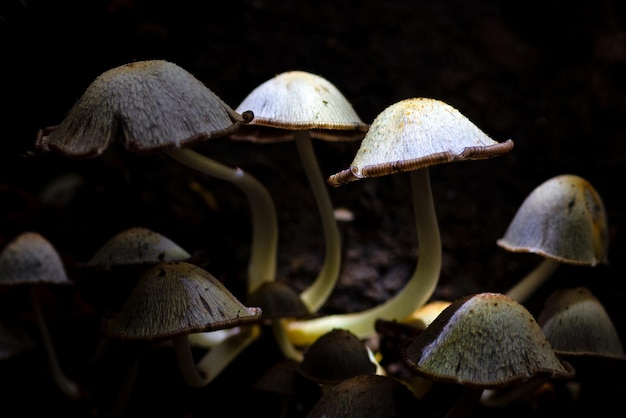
<point x="284" y="343"/>
<point x="318" y="292"/>
<point x="262" y="266"/>
<point x="69" y="388"/>
<point x="533" y="280"/>
<point x="211" y="365"/>
<point x="223" y="354"/>
<point x="415" y="293"/>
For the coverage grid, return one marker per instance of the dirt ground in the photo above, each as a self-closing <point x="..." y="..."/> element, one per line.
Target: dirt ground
<point x="549" y="76"/>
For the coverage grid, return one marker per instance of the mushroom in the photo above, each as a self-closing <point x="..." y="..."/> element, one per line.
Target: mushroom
<point x="579" y="328"/>
<point x="137" y="246"/>
<point x="334" y="357"/>
<point x="564" y="221"/>
<point x="582" y="333"/>
<point x="408" y="136"/>
<point x="30" y="260"/>
<point x="469" y="344"/>
<point x="175" y="299"/>
<point x="156" y="105"/>
<point x="279" y="302"/>
<point x="298" y="105"/>
<point x="367" y="395"/>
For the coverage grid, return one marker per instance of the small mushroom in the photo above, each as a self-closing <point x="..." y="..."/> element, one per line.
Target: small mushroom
<point x="298" y="105"/>
<point x="408" y="136"/>
<point x="564" y="221"/>
<point x="173" y="300"/>
<point x="31" y="260"/>
<point x="279" y="303"/>
<point x="155" y="105"/>
<point x="367" y="395"/>
<point x="579" y="328"/>
<point x="470" y="344"/>
<point x="334" y="357"/>
<point x="137" y="246"/>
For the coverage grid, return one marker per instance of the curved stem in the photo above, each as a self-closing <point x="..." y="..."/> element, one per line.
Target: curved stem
<point x="211" y="365"/>
<point x="415" y="293"/>
<point x="224" y="353"/>
<point x="262" y="266"/>
<point x="284" y="343"/>
<point x="69" y="388"/>
<point x="186" y="363"/>
<point x="533" y="280"/>
<point x="318" y="292"/>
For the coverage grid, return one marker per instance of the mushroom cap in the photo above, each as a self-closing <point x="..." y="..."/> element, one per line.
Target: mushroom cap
<point x="299" y="100"/>
<point x="177" y="298"/>
<point x="335" y="356"/>
<point x="278" y="300"/>
<point x="29" y="259"/>
<point x="486" y="340"/>
<point x="417" y="133"/>
<point x="563" y="219"/>
<point x="576" y="324"/>
<point x="137" y="246"/>
<point x="147" y="106"/>
<point x="367" y="395"/>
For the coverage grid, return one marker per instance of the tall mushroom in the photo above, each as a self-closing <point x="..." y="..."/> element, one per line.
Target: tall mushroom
<point x="408" y="136"/>
<point x="31" y="260"/>
<point x="155" y="105"/>
<point x="564" y="221"/>
<point x="298" y="105"/>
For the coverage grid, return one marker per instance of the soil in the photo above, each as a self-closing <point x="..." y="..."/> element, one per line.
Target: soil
<point x="549" y="76"/>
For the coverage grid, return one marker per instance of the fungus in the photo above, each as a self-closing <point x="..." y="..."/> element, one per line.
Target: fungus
<point x="155" y="105"/>
<point x="175" y="299"/>
<point x="564" y="221"/>
<point x="579" y="328"/>
<point x="408" y="136"/>
<point x="469" y="344"/>
<point x="31" y="260"/>
<point x="366" y="395"/>
<point x="298" y="105"/>
<point x="334" y="357"/>
<point x="137" y="246"/>
<point x="279" y="302"/>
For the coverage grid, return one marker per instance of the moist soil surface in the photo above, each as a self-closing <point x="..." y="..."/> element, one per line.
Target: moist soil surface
<point x="549" y="76"/>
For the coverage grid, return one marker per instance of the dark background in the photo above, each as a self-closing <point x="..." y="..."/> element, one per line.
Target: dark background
<point x="549" y="75"/>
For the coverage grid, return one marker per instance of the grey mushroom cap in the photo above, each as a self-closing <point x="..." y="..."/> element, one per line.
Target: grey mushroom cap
<point x="487" y="340"/>
<point x="564" y="219"/>
<point x="177" y="298"/>
<point x="147" y="106"/>
<point x="29" y="259"/>
<point x="137" y="246"/>
<point x="417" y="133"/>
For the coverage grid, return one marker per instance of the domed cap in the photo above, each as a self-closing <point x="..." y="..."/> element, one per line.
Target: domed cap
<point x="563" y="219"/>
<point x="335" y="356"/>
<point x="30" y="258"/>
<point x="299" y="100"/>
<point x="137" y="246"/>
<point x="177" y="298"/>
<point x="416" y="133"/>
<point x="487" y="340"/>
<point x="147" y="106"/>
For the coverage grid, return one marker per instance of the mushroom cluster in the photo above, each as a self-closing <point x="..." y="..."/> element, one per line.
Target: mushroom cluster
<point x="413" y="354"/>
